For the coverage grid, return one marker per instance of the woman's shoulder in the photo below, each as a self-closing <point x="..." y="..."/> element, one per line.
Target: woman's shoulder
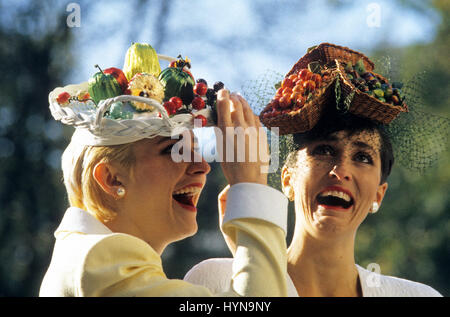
<point x="215" y="274"/>
<point x="379" y="285"/>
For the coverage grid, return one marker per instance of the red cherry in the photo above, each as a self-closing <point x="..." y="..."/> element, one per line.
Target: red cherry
<point x="170" y="107"/>
<point x="200" y="89"/>
<point x="177" y="102"/>
<point x="204" y="120"/>
<point x="198" y="103"/>
<point x="63" y="98"/>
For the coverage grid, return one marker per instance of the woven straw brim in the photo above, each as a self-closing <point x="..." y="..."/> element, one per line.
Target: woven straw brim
<point x="327" y="53"/>
<point x="365" y="105"/>
<point x="96" y="129"/>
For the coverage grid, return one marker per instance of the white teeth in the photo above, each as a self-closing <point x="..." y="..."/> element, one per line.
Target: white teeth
<point x="188" y="190"/>
<point x="336" y="194"/>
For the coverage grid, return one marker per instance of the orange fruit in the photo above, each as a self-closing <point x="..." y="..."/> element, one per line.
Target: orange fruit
<point x="309" y="85"/>
<point x="285" y="102"/>
<point x="298" y="88"/>
<point x="305" y="74"/>
<point x="317" y="79"/>
<point x="287" y="91"/>
<point x="287" y="83"/>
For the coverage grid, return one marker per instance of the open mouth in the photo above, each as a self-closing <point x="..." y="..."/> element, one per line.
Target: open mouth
<point x="186" y="197"/>
<point x="335" y="199"/>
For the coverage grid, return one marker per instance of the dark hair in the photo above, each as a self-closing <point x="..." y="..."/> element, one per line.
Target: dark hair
<point x="333" y="122"/>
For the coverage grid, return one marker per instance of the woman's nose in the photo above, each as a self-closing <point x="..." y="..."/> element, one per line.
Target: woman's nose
<point x="198" y="166"/>
<point x="341" y="170"/>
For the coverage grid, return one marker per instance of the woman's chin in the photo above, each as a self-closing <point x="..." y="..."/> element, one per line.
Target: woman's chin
<point x="186" y="232"/>
<point x="329" y="220"/>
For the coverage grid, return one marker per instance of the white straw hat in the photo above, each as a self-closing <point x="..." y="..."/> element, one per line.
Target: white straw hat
<point x="92" y="127"/>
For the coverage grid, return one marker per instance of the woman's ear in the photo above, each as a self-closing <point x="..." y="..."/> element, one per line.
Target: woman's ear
<point x="381" y="191"/>
<point x="286" y="177"/>
<point x="109" y="179"/>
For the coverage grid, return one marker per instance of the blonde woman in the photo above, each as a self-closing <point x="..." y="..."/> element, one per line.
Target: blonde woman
<point x="130" y="201"/>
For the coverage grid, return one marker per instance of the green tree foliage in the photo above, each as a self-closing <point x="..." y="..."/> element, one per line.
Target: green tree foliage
<point x="410" y="236"/>
<point x="31" y="191"/>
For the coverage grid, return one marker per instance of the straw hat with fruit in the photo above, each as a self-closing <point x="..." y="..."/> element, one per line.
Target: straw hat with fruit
<point x="118" y="106"/>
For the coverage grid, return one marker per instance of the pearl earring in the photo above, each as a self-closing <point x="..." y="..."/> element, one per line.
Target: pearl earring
<point x="375" y="207"/>
<point x="120" y="192"/>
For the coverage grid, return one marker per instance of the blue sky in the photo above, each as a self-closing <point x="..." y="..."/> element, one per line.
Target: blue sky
<point x="237" y="40"/>
<point x="230" y="41"/>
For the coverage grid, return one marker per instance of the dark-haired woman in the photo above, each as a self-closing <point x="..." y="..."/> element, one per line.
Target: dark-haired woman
<point x="336" y="175"/>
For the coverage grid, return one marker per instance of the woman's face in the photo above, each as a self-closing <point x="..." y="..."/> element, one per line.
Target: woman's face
<point x="335" y="182"/>
<point x="161" y="195"/>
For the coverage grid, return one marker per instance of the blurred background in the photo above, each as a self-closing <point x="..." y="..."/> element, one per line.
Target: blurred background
<point x="45" y="44"/>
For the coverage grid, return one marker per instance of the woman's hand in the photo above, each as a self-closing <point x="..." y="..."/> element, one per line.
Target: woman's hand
<point x="244" y="151"/>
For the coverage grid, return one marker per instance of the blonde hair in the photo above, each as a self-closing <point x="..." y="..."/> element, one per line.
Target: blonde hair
<point x="78" y="163"/>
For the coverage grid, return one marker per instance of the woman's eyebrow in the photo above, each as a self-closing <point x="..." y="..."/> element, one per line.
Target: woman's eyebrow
<point x="363" y="145"/>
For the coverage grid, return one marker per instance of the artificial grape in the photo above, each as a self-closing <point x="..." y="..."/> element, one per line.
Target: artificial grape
<point x="218" y="85"/>
<point x="210" y="93"/>
<point x="201" y="80"/>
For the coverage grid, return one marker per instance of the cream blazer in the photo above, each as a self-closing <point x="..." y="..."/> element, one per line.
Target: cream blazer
<point x="90" y="260"/>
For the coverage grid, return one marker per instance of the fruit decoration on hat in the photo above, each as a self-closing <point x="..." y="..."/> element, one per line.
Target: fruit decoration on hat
<point x="296" y="90"/>
<point x="374" y="85"/>
<point x="103" y="86"/>
<point x="141" y="58"/>
<point x="174" y="87"/>
<point x="178" y="81"/>
<point x="331" y="75"/>
<point x="145" y="85"/>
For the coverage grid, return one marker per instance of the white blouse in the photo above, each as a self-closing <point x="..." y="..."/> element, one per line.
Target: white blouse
<point x="216" y="273"/>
